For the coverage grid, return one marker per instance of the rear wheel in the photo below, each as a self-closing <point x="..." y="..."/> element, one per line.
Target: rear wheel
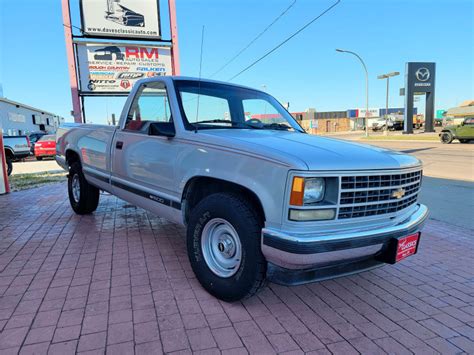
<point x="464" y="140"/>
<point x="84" y="198"/>
<point x="223" y="242"/>
<point x="446" y="137"/>
<point x="39" y="158"/>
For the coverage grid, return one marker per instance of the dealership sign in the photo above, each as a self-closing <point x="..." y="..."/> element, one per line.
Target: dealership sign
<point x="121" y="18"/>
<point x="109" y="68"/>
<point x="373" y="112"/>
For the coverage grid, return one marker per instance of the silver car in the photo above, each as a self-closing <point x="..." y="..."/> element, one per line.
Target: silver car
<point x="260" y="198"/>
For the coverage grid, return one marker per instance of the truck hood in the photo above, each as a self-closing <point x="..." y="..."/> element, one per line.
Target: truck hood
<point x="316" y="152"/>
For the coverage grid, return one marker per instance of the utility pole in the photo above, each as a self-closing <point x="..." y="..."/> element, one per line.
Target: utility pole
<point x="366" y="121"/>
<point x="387" y="76"/>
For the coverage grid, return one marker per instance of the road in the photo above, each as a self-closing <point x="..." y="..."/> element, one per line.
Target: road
<point x="447" y="161"/>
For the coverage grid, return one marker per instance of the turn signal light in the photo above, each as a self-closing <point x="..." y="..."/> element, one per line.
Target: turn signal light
<point x="297" y="191"/>
<point x="312" y="215"/>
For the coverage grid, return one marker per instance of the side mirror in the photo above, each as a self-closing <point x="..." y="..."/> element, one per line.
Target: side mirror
<point x="164" y="129"/>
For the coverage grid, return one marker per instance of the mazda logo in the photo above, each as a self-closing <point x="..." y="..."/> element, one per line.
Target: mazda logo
<point x="422" y="74"/>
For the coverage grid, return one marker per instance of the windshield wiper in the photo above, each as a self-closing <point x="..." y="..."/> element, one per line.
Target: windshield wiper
<point x="277" y="126"/>
<point x="216" y="121"/>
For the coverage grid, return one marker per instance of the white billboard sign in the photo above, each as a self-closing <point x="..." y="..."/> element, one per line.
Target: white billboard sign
<point x="121" y="18"/>
<point x="109" y="68"/>
<point x="373" y="112"/>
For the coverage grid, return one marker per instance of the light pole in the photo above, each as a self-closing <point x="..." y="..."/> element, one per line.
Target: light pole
<point x="366" y="89"/>
<point x="387" y="76"/>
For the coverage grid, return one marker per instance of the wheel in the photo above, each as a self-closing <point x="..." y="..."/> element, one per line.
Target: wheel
<point x="9" y="166"/>
<point x="464" y="140"/>
<point x="446" y="137"/>
<point x="39" y="158"/>
<point x="83" y="197"/>
<point x="223" y="242"/>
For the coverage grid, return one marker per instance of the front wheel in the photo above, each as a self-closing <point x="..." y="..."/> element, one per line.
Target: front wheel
<point x="223" y="242"/>
<point x="84" y="198"/>
<point x="446" y="137"/>
<point x="9" y="166"/>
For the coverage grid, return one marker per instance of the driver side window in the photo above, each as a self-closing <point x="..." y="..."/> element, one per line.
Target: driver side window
<point x="149" y="105"/>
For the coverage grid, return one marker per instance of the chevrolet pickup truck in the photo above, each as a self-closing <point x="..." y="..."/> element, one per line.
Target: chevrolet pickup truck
<point x="259" y="197"/>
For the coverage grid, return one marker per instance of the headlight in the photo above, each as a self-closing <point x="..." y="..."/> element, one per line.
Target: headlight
<point x="306" y="191"/>
<point x="313" y="190"/>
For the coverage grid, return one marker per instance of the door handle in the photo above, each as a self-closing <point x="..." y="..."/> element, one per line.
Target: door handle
<point x="119" y="145"/>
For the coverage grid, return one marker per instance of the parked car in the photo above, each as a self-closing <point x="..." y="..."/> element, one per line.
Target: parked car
<point x="34" y="138"/>
<point x="259" y="200"/>
<point x="464" y="132"/>
<point x="392" y="124"/>
<point x="45" y="147"/>
<point x="16" y="148"/>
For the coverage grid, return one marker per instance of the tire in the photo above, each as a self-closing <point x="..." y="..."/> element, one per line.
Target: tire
<point x="464" y="141"/>
<point x="39" y="158"/>
<point x="9" y="165"/>
<point x="224" y="215"/>
<point x="84" y="198"/>
<point x="446" y="137"/>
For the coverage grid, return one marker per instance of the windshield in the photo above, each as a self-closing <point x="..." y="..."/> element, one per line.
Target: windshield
<point x="206" y="105"/>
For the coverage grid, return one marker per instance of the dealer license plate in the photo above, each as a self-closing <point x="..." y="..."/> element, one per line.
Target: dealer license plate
<point x="407" y="246"/>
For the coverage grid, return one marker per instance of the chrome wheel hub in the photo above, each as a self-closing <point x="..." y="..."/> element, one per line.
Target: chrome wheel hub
<point x="221" y="247"/>
<point x="76" y="188"/>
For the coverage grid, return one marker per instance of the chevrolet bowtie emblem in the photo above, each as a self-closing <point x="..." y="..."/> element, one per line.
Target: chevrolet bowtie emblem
<point x="398" y="194"/>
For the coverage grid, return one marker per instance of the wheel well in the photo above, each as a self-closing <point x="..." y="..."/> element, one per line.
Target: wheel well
<point x="199" y="187"/>
<point x="72" y="157"/>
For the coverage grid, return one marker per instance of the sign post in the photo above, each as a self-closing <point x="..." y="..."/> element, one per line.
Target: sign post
<point x="4" y="186"/>
<point x="419" y="79"/>
<point x="174" y="37"/>
<point x="76" y="103"/>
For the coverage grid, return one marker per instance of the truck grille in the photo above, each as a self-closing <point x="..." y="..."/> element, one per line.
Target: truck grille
<point x="363" y="196"/>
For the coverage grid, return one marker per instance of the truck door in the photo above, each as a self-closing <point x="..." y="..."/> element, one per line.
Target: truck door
<point x="466" y="131"/>
<point x="142" y="164"/>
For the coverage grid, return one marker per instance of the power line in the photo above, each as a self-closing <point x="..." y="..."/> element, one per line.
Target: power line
<point x="286" y="40"/>
<point x="253" y="40"/>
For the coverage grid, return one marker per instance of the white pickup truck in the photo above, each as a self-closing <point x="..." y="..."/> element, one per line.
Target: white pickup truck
<point x="16" y="148"/>
<point x="260" y="198"/>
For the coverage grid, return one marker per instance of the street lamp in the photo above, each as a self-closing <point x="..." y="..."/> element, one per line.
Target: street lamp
<point x="366" y="89"/>
<point x="387" y="76"/>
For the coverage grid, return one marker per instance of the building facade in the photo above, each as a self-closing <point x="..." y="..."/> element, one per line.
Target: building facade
<point x="20" y="119"/>
<point x="315" y="122"/>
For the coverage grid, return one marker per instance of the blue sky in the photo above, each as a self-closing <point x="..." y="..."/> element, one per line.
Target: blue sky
<point x="307" y="72"/>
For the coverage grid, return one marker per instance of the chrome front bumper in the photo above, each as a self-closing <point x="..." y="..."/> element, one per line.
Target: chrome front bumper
<point x="310" y="251"/>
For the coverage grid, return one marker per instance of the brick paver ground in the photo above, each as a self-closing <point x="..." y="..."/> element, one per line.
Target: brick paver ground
<point x="119" y="281"/>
